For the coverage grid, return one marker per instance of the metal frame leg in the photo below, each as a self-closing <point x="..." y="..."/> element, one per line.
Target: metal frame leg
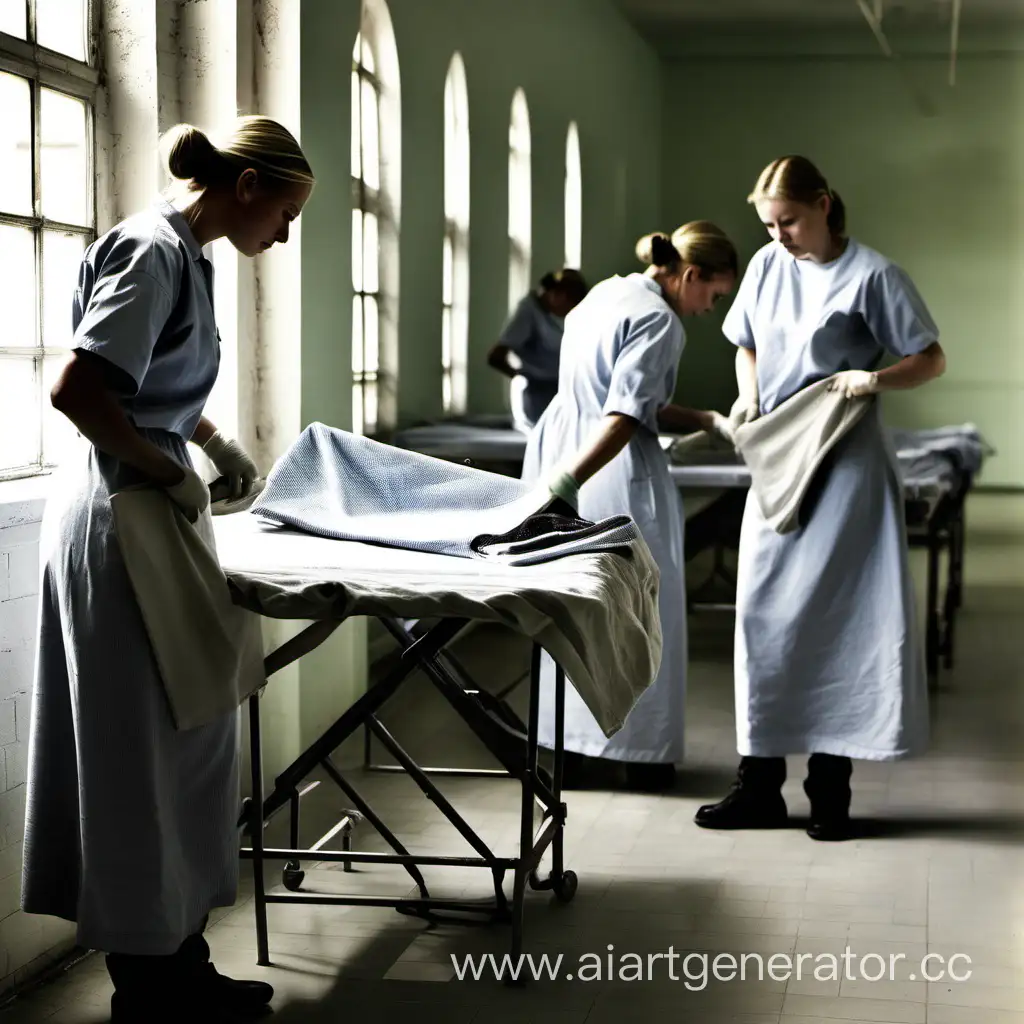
<point x="504" y="741"/>
<point x="932" y="628"/>
<point x="256" y="828"/>
<point x="526" y="845"/>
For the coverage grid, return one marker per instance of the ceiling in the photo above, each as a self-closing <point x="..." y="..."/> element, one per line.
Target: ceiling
<point x="667" y="21"/>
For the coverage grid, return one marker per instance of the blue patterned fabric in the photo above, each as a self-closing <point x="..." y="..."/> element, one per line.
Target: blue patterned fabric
<point x="338" y="485"/>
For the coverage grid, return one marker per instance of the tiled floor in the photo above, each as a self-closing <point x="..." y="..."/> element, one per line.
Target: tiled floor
<point x="939" y="871"/>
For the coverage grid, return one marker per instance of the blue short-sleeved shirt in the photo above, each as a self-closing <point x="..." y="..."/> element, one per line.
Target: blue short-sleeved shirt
<point x="808" y="321"/>
<point x="144" y="303"/>
<point x="535" y="335"/>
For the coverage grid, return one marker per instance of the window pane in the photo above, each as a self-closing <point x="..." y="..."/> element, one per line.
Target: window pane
<point x="19" y="413"/>
<point x="446" y="339"/>
<point x="448" y="268"/>
<point x="573" y="201"/>
<point x="357" y="159"/>
<point x="65" y="164"/>
<point x="357" y="250"/>
<point x="367" y="56"/>
<point x="371" y="254"/>
<point x="370" y="129"/>
<point x="62" y="258"/>
<point x="60" y="26"/>
<point x="18" y="287"/>
<point x="357" y="408"/>
<point x="15" y="144"/>
<point x="14" y="18"/>
<point x="371" y="349"/>
<point x="59" y="434"/>
<point x="357" y="335"/>
<point x="369" y="408"/>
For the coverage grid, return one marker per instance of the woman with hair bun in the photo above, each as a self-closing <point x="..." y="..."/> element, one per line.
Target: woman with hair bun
<point x="597" y="446"/>
<point x="131" y="825"/>
<point x="828" y="657"/>
<point x="533" y="336"/>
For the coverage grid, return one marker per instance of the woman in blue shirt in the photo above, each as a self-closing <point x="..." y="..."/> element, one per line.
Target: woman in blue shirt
<point x="598" y="443"/>
<point x="529" y="348"/>
<point x="828" y="659"/>
<point x="131" y="825"/>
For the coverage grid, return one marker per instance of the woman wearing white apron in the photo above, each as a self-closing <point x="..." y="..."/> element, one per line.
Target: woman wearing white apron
<point x="828" y="659"/>
<point x="131" y="825"/>
<point x="528" y="349"/>
<point x="598" y="443"/>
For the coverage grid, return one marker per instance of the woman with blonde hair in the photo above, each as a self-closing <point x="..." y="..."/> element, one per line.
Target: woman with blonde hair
<point x="828" y="660"/>
<point x="598" y="445"/>
<point x="131" y="824"/>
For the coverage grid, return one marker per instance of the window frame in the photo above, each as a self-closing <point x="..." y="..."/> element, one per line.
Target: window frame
<point x="520" y="177"/>
<point x="47" y="69"/>
<point x="455" y="246"/>
<point x="573" y="199"/>
<point x="366" y="201"/>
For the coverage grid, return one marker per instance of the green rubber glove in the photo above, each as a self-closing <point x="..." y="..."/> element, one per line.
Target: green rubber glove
<point x="563" y="485"/>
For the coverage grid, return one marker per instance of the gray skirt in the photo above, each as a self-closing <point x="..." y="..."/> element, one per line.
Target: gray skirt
<point x="130" y="827"/>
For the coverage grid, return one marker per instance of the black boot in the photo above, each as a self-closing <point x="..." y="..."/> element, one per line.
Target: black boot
<point x="149" y="990"/>
<point x="579" y="771"/>
<point x="755" y="800"/>
<point x="243" y="1000"/>
<point x="828" y="788"/>
<point x="649" y="777"/>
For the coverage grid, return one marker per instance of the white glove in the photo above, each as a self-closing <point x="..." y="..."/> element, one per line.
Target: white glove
<point x="563" y="485"/>
<point x="191" y="495"/>
<point x="854" y="383"/>
<point x="745" y="409"/>
<point x="233" y="462"/>
<point x="721" y="427"/>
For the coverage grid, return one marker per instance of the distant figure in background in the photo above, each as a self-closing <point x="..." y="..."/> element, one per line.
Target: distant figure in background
<point x="534" y="335"/>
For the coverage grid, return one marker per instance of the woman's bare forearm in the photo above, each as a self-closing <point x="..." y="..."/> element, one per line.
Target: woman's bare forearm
<point x="498" y="359"/>
<point x="676" y="419"/>
<point x="746" y="371"/>
<point x="83" y="395"/>
<point x="205" y="429"/>
<point x="610" y="437"/>
<point x="913" y="371"/>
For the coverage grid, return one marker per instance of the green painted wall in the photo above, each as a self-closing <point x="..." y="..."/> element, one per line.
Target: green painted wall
<point x="577" y="60"/>
<point x="941" y="192"/>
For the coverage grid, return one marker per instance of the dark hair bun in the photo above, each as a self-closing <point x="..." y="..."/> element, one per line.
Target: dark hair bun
<point x="663" y="252"/>
<point x="191" y="156"/>
<point x="657" y="250"/>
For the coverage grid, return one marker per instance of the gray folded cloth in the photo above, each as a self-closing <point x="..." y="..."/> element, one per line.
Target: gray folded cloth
<point x="783" y="449"/>
<point x="209" y="651"/>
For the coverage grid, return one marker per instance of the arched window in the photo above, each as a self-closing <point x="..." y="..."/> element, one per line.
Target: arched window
<point x="520" y="205"/>
<point x="376" y="161"/>
<point x="455" y="309"/>
<point x="573" y="200"/>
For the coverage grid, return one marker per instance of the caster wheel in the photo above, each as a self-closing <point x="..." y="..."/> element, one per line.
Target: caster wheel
<point x="292" y="879"/>
<point x="565" y="888"/>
